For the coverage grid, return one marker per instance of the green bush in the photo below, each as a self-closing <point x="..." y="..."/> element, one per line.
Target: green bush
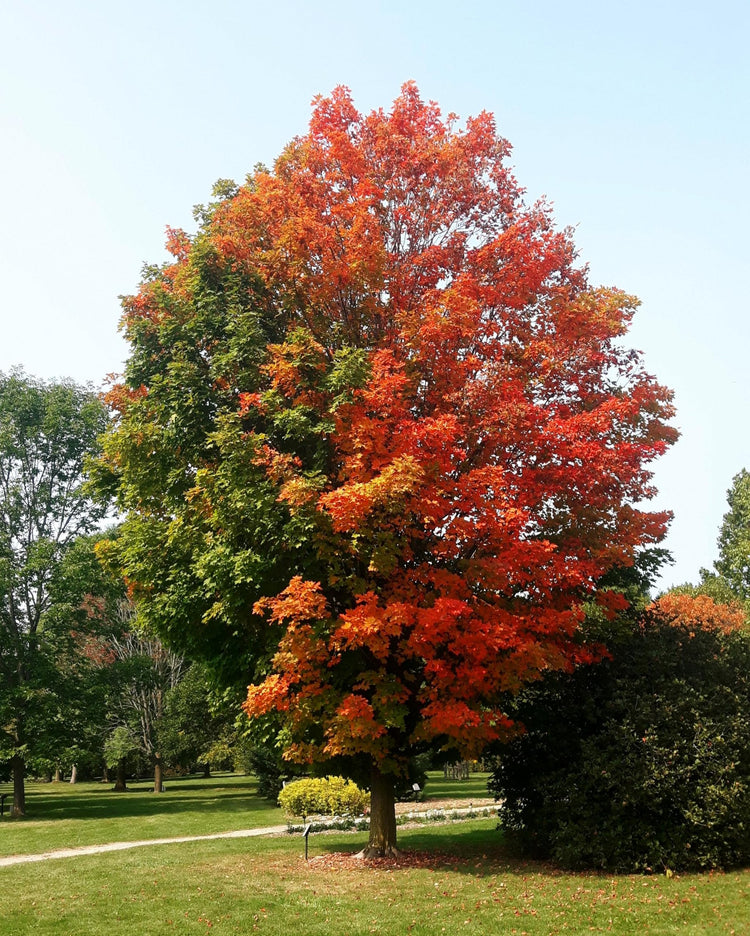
<point x="641" y="762"/>
<point x="330" y="796"/>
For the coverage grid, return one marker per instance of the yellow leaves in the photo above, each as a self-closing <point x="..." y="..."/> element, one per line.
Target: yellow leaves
<point x="295" y="366"/>
<point x="351" y="503"/>
<point x="298" y="492"/>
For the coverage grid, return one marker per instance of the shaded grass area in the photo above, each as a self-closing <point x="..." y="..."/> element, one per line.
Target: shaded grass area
<point x="465" y="880"/>
<point x="60" y="815"/>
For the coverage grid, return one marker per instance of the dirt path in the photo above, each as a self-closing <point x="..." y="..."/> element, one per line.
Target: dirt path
<point x="405" y="810"/>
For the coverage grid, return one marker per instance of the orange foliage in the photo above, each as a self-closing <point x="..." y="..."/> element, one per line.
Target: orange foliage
<point x="699" y="611"/>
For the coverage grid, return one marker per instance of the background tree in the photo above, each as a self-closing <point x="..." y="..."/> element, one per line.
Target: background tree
<point x="145" y="673"/>
<point x="729" y="581"/>
<point x="197" y="726"/>
<point x="733" y="563"/>
<point x="47" y="431"/>
<point x="376" y="425"/>
<point x="732" y="568"/>
<point x="90" y="608"/>
<point x="120" y="746"/>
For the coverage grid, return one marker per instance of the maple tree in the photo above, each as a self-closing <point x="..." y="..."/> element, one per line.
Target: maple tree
<point x="379" y="438"/>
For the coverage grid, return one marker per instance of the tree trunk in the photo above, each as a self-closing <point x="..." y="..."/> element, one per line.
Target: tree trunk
<point x="74" y="774"/>
<point x="120" y="785"/>
<point x="58" y="775"/>
<point x="382" y="842"/>
<point x="18" y="767"/>
<point x="207" y="771"/>
<point x="158" y="774"/>
<point x="105" y="774"/>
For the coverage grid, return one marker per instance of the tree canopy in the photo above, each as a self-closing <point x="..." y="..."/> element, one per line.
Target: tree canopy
<point x="378" y="439"/>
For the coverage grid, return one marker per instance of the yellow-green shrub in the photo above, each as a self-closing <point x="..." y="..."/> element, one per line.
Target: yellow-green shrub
<point x="345" y="798"/>
<point x="327" y="796"/>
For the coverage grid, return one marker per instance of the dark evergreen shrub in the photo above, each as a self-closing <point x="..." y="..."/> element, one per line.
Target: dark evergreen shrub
<point x="640" y="762"/>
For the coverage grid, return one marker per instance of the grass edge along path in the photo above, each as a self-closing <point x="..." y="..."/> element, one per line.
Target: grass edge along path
<point x="62" y="816"/>
<point x="121" y="846"/>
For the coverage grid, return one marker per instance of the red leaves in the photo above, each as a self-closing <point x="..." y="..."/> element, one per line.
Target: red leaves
<point x="272" y="695"/>
<point x="488" y="465"/>
<point x="371" y="625"/>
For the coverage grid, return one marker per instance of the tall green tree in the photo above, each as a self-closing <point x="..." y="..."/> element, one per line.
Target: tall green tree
<point x="47" y="432"/>
<point x="733" y="564"/>
<point x="729" y="580"/>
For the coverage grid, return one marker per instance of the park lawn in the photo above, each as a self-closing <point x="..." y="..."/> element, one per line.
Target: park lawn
<point x="60" y="815"/>
<point x="465" y="882"/>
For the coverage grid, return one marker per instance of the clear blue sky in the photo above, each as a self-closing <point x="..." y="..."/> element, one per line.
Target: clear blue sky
<point x="632" y="117"/>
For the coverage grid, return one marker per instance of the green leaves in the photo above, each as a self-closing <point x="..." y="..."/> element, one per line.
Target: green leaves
<point x="734" y="538"/>
<point x="47" y="433"/>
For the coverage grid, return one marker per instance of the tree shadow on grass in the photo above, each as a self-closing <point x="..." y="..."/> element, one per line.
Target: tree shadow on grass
<point x="479" y="852"/>
<point x="140" y="802"/>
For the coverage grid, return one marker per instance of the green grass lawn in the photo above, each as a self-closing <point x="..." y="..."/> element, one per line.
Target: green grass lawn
<point x="475" y="788"/>
<point x="465" y="880"/>
<point x="60" y="815"/>
<point x="465" y="883"/>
